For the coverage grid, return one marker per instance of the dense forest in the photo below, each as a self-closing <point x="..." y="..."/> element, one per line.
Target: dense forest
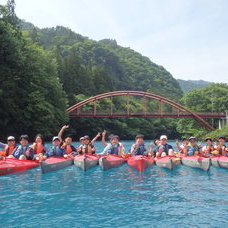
<point x="44" y="71"/>
<point x="187" y="85"/>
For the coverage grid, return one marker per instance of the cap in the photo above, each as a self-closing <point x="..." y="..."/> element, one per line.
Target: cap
<point x="110" y="136"/>
<point x="115" y="137"/>
<point x="163" y="137"/>
<point x="55" y="138"/>
<point x="11" y="138"/>
<point x="24" y="137"/>
<point x="208" y="138"/>
<point x="183" y="139"/>
<point x="139" y="136"/>
<point x="82" y="138"/>
<point x="86" y="137"/>
<point x="192" y="137"/>
<point x="221" y="137"/>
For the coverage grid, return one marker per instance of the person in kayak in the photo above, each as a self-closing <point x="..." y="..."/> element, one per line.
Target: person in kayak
<point x="138" y="148"/>
<point x="164" y="148"/>
<point x="55" y="150"/>
<point x="9" y="147"/>
<point x="208" y="148"/>
<point x="153" y="147"/>
<point x="114" y="147"/>
<point x="39" y="147"/>
<point x="23" y="151"/>
<point x="221" y="148"/>
<point x="184" y="143"/>
<point x="67" y="143"/>
<point x="192" y="148"/>
<point x="87" y="146"/>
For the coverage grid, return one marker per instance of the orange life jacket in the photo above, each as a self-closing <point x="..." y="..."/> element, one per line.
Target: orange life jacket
<point x="68" y="149"/>
<point x="39" y="148"/>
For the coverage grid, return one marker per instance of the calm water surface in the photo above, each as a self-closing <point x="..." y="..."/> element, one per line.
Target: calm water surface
<point x="120" y="197"/>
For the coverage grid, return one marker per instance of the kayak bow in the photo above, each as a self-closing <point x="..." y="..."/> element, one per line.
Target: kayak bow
<point x="86" y="162"/>
<point x="55" y="163"/>
<point x="140" y="162"/>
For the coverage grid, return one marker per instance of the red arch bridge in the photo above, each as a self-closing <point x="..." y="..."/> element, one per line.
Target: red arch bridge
<point x="92" y="108"/>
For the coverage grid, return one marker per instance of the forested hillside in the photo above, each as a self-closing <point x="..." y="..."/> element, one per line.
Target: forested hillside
<point x="187" y="85"/>
<point x="88" y="68"/>
<point x="44" y="71"/>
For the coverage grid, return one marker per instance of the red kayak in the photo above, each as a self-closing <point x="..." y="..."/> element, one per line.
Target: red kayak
<point x="110" y="161"/>
<point x="140" y="162"/>
<point x="55" y="163"/>
<point x="12" y="165"/>
<point x="87" y="161"/>
<point x="220" y="161"/>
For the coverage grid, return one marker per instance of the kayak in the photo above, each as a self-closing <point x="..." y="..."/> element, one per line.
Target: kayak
<point x="12" y="165"/>
<point x="214" y="161"/>
<point x="86" y="162"/>
<point x="168" y="162"/>
<point x="220" y="161"/>
<point x="110" y="161"/>
<point x="223" y="162"/>
<point x="140" y="162"/>
<point x="197" y="162"/>
<point x="55" y="163"/>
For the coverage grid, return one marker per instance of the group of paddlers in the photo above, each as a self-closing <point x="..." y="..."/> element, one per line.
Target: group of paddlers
<point x="64" y="148"/>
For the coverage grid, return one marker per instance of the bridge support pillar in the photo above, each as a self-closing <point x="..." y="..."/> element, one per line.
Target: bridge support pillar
<point x="223" y="122"/>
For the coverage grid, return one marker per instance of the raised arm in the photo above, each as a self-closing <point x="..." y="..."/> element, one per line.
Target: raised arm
<point x="103" y="138"/>
<point x="178" y="146"/>
<point x="60" y="134"/>
<point x="96" y="137"/>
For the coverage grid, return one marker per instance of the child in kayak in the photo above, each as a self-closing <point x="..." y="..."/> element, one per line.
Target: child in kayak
<point x="208" y="148"/>
<point x="221" y="148"/>
<point x="153" y="150"/>
<point x="9" y="147"/>
<point x="55" y="150"/>
<point x="192" y="148"/>
<point x="114" y="147"/>
<point x="180" y="148"/>
<point x="38" y="147"/>
<point x="23" y="151"/>
<point x="87" y="146"/>
<point x="139" y="147"/>
<point x="164" y="148"/>
<point x="67" y="144"/>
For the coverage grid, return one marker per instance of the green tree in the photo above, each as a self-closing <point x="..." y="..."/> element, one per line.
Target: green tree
<point x="213" y="98"/>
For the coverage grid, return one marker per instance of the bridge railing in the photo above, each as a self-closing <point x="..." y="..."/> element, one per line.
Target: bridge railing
<point x="81" y="113"/>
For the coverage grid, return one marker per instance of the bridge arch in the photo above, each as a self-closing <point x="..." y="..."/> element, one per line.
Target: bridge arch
<point x="74" y="110"/>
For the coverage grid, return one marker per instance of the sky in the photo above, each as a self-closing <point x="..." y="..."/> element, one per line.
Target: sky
<point x="189" y="38"/>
